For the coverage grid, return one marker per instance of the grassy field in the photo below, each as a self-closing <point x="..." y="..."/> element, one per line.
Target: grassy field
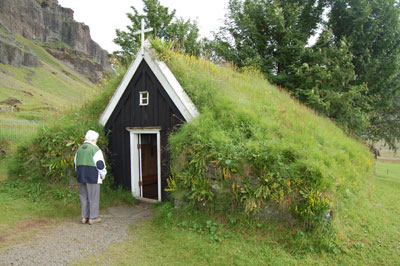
<point x="43" y="90"/>
<point x="369" y="234"/>
<point x="388" y="171"/>
<point x="15" y="130"/>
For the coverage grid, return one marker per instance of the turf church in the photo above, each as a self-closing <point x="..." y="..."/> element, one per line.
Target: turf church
<point x="148" y="104"/>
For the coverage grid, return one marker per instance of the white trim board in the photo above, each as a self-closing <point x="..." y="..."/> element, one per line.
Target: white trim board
<point x="167" y="80"/>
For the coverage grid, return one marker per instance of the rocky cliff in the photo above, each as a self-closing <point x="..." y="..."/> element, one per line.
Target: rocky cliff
<point x="13" y="53"/>
<point x="47" y="22"/>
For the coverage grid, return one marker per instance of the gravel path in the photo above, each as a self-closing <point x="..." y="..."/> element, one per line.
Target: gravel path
<point x="73" y="240"/>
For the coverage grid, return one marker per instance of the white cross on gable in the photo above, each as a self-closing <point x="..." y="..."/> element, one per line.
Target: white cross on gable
<point x="142" y="31"/>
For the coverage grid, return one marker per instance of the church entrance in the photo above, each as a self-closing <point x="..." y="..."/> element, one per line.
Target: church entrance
<point x="148" y="168"/>
<point x="145" y="163"/>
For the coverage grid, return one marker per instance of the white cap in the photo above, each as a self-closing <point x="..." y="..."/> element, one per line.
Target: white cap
<point x="91" y="135"/>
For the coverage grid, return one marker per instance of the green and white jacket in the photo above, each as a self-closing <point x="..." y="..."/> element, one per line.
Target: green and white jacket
<point x="89" y="164"/>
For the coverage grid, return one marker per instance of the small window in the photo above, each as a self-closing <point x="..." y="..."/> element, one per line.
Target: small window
<point x="144" y="98"/>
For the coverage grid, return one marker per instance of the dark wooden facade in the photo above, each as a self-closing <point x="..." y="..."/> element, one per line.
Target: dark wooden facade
<point x="161" y="112"/>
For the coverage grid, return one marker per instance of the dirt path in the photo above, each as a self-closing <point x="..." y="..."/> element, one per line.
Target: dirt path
<point x="73" y="240"/>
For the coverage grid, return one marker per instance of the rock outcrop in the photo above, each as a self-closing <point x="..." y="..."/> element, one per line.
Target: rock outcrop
<point x="47" y="22"/>
<point x="92" y="70"/>
<point x="14" y="54"/>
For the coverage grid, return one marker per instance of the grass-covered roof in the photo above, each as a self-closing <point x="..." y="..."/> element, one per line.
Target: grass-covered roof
<point x="259" y="144"/>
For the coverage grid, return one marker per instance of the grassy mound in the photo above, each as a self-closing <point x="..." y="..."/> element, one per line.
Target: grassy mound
<point x="254" y="147"/>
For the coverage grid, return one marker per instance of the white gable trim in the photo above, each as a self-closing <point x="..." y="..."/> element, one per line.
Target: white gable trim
<point x="167" y="80"/>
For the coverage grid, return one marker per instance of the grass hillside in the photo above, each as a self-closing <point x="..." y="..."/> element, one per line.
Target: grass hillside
<point x="252" y="148"/>
<point x="256" y="149"/>
<point x="39" y="91"/>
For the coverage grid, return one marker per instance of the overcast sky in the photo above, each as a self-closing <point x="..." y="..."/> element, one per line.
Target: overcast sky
<point x="105" y="16"/>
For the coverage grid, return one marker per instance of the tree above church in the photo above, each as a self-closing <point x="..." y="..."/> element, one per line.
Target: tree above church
<point x="269" y="34"/>
<point x="373" y="30"/>
<point x="351" y="74"/>
<point x="166" y="26"/>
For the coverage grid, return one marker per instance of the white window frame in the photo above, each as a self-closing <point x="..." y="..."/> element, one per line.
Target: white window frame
<point x="144" y="98"/>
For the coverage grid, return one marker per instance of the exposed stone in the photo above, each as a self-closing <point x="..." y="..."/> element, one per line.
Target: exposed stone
<point x="273" y="211"/>
<point x="7" y="72"/>
<point x="12" y="55"/>
<point x="28" y="93"/>
<point x="46" y="21"/>
<point x="28" y="77"/>
<point x="178" y="204"/>
<point x="222" y="188"/>
<point x="79" y="61"/>
<point x="11" y="101"/>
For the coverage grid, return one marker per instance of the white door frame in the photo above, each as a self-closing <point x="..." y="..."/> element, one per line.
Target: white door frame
<point x="135" y="133"/>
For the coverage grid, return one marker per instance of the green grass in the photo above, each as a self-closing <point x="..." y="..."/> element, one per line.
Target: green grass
<point x="3" y="170"/>
<point x="152" y="245"/>
<point x="49" y="89"/>
<point x="25" y="201"/>
<point x="368" y="234"/>
<point x="16" y="209"/>
<point x="370" y="224"/>
<point x="6" y="148"/>
<point x="22" y="203"/>
<point x="11" y="129"/>
<point x="45" y="89"/>
<point x="259" y="144"/>
<point x="388" y="170"/>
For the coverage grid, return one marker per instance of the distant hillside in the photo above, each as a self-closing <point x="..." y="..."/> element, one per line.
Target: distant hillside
<point x="37" y="91"/>
<point x="47" y="60"/>
<point x="46" y="21"/>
